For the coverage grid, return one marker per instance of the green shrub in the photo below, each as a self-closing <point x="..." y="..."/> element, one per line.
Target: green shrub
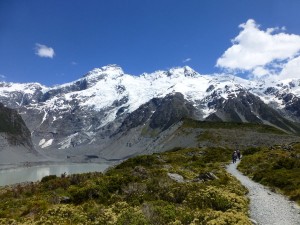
<point x="286" y="163"/>
<point x="159" y="212"/>
<point x="132" y="216"/>
<point x="295" y="195"/>
<point x="217" y="155"/>
<point x="143" y="160"/>
<point x="88" y="192"/>
<point x="278" y="179"/>
<point x="48" y="178"/>
<point x="217" y="199"/>
<point x="250" y="151"/>
<point x="225" y="218"/>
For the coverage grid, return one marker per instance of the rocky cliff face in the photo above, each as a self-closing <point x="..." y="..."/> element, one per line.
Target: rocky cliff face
<point x="15" y="138"/>
<point x="160" y="113"/>
<point x="106" y="105"/>
<point x="13" y="128"/>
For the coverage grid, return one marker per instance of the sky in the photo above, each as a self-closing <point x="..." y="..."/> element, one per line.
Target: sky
<point x="58" y="41"/>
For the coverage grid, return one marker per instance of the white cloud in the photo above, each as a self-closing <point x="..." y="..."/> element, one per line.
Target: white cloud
<point x="260" y="71"/>
<point x="186" y="60"/>
<point x="44" y="51"/>
<point x="256" y="51"/>
<point x="291" y="69"/>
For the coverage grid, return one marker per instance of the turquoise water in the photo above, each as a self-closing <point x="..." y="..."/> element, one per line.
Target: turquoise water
<point x="36" y="173"/>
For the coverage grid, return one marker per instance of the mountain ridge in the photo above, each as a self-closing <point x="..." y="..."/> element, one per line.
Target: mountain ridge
<point x="88" y="112"/>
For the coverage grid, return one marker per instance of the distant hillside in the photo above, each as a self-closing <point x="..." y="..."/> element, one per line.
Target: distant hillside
<point x="233" y="134"/>
<point x="13" y="127"/>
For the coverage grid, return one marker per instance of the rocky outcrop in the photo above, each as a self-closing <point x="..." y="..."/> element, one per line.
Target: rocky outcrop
<point x="160" y="113"/>
<point x="170" y="111"/>
<point x="176" y="177"/>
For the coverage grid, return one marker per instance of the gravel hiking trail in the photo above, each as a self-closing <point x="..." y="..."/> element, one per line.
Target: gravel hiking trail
<point x="267" y="207"/>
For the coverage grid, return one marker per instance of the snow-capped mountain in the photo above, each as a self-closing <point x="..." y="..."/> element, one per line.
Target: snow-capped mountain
<point x="106" y="102"/>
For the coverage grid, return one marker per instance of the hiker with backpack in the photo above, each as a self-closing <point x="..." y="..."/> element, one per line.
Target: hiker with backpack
<point x="234" y="157"/>
<point x="238" y="154"/>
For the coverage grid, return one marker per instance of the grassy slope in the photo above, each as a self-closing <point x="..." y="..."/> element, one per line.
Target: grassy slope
<point x="233" y="135"/>
<point x="138" y="191"/>
<point x="260" y="128"/>
<point x="277" y="167"/>
<point x="274" y="166"/>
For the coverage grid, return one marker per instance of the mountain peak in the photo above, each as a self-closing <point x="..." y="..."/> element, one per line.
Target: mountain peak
<point x="182" y="71"/>
<point x="111" y="70"/>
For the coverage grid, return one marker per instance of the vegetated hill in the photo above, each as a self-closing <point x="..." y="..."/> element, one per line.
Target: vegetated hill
<point x="225" y="134"/>
<point x="235" y="134"/>
<point x="84" y="116"/>
<point x="142" y="139"/>
<point x="187" y="186"/>
<point x="277" y="167"/>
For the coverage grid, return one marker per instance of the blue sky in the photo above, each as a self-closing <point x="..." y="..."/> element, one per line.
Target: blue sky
<point x="58" y="41"/>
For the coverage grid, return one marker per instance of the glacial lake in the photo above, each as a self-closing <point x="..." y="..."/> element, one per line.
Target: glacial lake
<point x="36" y="173"/>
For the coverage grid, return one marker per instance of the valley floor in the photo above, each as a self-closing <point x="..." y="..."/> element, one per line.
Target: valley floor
<point x="266" y="207"/>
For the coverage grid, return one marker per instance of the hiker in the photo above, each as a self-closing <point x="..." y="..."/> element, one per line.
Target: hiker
<point x="234" y="156"/>
<point x="238" y="154"/>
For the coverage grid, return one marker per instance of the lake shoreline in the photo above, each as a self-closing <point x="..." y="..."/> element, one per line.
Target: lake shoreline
<point x="18" y="173"/>
<point x="10" y="166"/>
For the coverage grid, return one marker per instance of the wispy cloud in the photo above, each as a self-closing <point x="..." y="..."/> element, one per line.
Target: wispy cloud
<point x="44" y="51"/>
<point x="2" y="77"/>
<point x="262" y="52"/>
<point x="186" y="60"/>
<point x="73" y="63"/>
